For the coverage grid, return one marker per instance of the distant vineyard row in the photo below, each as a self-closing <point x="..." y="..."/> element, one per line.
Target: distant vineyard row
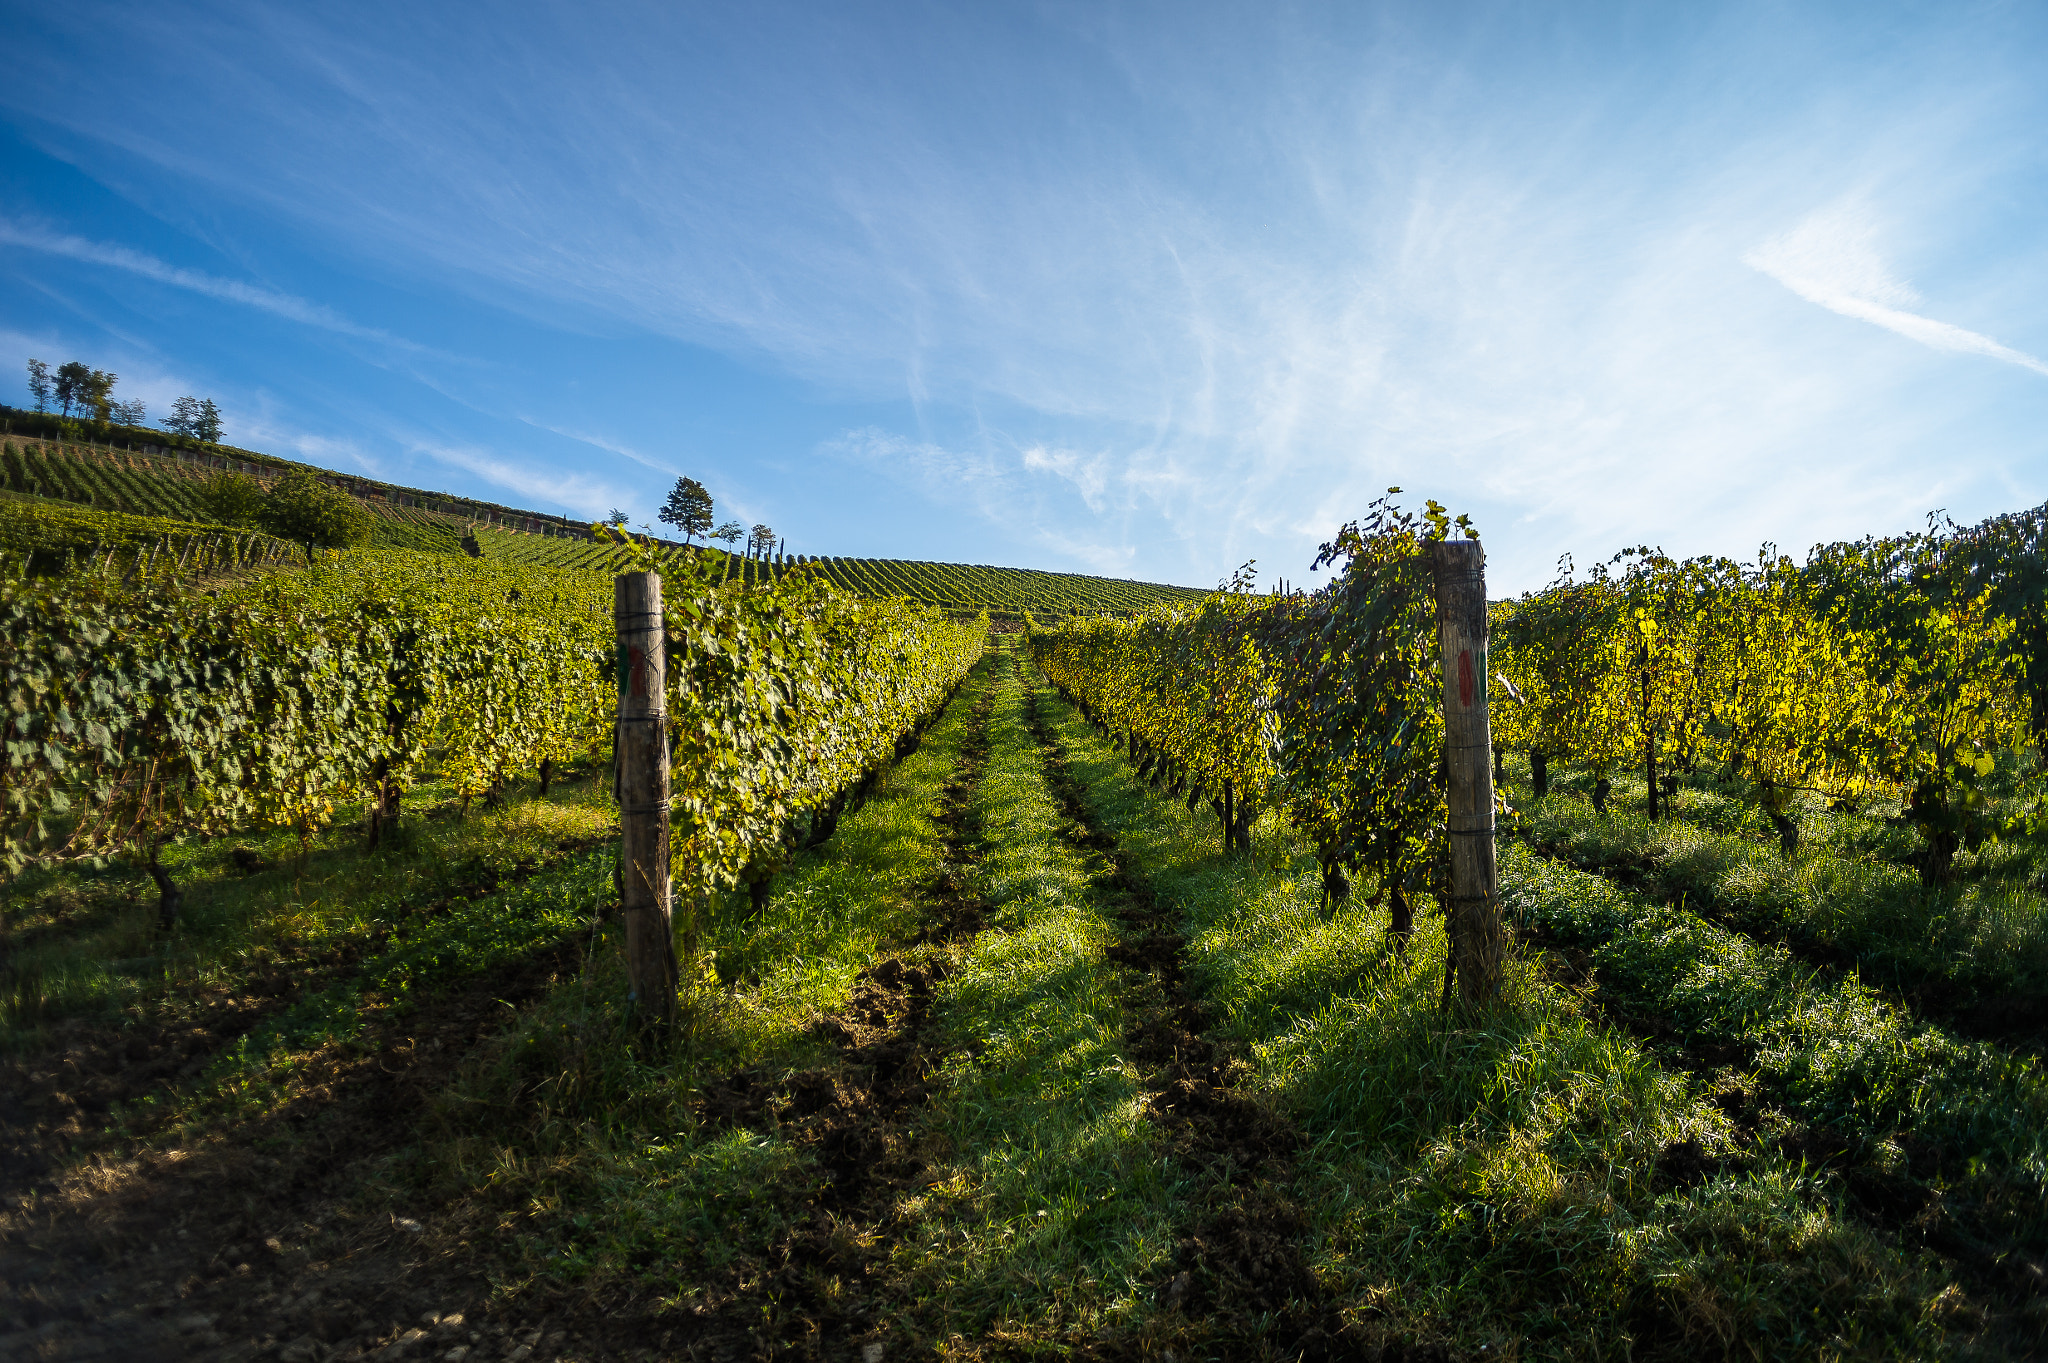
<point x="186" y="457"/>
<point x="949" y="586"/>
<point x="157" y="486"/>
<point x="167" y="485"/>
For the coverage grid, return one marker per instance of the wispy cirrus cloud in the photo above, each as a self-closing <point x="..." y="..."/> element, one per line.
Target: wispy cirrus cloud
<point x="119" y="257"/>
<point x="1089" y="474"/>
<point x="1831" y="259"/>
<point x="549" y="487"/>
<point x="1200" y="283"/>
<point x="598" y="442"/>
<point x="987" y="483"/>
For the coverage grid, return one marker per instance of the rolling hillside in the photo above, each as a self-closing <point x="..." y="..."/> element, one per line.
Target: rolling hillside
<point x="1003" y="592"/>
<point x="141" y="472"/>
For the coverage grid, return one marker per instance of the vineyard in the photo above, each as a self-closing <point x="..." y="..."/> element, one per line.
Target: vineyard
<point x="1107" y="989"/>
<point x="161" y="484"/>
<point x="1006" y="593"/>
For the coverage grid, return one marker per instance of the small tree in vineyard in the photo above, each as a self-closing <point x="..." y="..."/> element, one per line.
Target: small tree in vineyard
<point x="307" y="511"/>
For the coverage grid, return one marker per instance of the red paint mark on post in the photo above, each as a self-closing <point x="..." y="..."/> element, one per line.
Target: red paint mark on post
<point x="639" y="656"/>
<point x="1465" y="678"/>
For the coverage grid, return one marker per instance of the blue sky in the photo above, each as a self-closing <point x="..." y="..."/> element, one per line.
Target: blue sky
<point x="1145" y="290"/>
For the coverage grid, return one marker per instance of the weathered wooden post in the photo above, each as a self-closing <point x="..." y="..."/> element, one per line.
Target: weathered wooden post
<point x="641" y="740"/>
<point x="1478" y="941"/>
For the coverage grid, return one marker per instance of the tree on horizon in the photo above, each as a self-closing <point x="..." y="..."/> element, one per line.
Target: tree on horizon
<point x="199" y="420"/>
<point x="688" y="509"/>
<point x="83" y="390"/>
<point x="761" y="541"/>
<point x="40" y="386"/>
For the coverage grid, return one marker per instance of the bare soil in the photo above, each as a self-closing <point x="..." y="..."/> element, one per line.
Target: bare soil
<point x="245" y="1245"/>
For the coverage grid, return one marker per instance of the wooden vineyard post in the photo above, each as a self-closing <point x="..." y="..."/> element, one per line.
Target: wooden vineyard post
<point x="1478" y="941"/>
<point x="641" y="740"/>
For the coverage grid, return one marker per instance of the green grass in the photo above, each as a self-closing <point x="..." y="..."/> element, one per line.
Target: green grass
<point x="84" y="947"/>
<point x="1978" y="938"/>
<point x="1045" y="1205"/>
<point x="1832" y="1050"/>
<point x="594" y="1164"/>
<point x="1564" y="1177"/>
<point x="1055" y="1209"/>
<point x="1490" y="1185"/>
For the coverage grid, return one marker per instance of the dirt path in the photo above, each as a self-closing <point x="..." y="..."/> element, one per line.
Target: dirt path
<point x="822" y="1291"/>
<point x="1240" y="1279"/>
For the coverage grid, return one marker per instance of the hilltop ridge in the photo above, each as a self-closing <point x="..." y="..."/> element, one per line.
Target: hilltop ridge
<point x="139" y="471"/>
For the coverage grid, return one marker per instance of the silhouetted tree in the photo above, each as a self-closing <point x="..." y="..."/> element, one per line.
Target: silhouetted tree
<point x="82" y="390"/>
<point x="761" y="541"/>
<point x="688" y="508"/>
<point x="200" y="420"/>
<point x="39" y="385"/>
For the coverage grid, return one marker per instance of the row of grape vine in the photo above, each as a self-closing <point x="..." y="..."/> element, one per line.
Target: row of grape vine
<point x="1888" y="668"/>
<point x="143" y="715"/>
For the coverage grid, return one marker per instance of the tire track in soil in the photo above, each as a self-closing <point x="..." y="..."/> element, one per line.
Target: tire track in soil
<point x="823" y="1293"/>
<point x="1239" y="1275"/>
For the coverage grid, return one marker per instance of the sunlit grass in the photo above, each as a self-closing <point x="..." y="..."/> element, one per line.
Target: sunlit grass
<point x="1490" y="1182"/>
<point x="587" y="1157"/>
<point x="1056" y="1204"/>
<point x="1984" y="935"/>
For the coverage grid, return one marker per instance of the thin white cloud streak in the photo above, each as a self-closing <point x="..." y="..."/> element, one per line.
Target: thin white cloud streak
<point x="584" y="496"/>
<point x="598" y="442"/>
<point x="273" y="436"/>
<point x="1829" y="259"/>
<point x="227" y="290"/>
<point x="1087" y="473"/>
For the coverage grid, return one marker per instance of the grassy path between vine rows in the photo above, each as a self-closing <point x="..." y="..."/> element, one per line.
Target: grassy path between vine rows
<point x="1736" y="961"/>
<point x="1972" y="956"/>
<point x="1239" y="1278"/>
<point x="1537" y="1183"/>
